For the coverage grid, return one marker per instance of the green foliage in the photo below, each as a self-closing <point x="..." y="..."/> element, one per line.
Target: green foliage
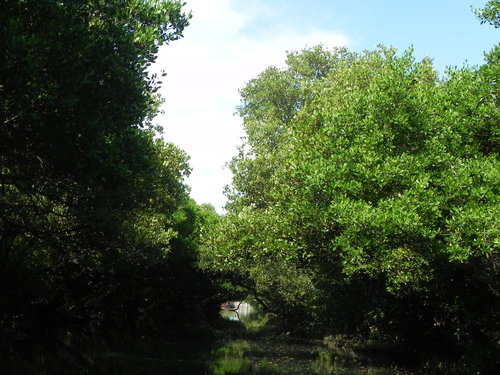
<point x="268" y="104"/>
<point x="490" y="13"/>
<point x="249" y="248"/>
<point x="368" y="186"/>
<point x="96" y="226"/>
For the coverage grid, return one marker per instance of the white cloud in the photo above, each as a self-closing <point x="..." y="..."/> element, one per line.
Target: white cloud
<point x="204" y="72"/>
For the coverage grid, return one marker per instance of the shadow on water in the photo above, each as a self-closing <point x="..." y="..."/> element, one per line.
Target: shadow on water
<point x="243" y="344"/>
<point x="251" y="348"/>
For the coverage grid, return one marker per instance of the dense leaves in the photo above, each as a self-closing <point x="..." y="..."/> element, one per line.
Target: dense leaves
<point x="373" y="183"/>
<point x="365" y="198"/>
<point x="96" y="227"/>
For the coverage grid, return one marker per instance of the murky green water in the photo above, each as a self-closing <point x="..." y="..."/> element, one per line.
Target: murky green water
<point x="263" y="354"/>
<point x="241" y="347"/>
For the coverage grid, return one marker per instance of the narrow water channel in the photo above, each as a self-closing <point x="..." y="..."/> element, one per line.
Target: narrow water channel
<point x="256" y="352"/>
<point x="242" y="346"/>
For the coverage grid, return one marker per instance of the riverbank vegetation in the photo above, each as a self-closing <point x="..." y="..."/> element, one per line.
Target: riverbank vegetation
<point x="364" y="203"/>
<point x="97" y="230"/>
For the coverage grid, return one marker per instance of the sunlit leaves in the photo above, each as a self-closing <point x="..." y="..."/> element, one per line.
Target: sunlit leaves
<point x="490" y="13"/>
<point x="376" y="177"/>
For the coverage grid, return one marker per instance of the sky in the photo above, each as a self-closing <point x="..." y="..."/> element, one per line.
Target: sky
<point x="229" y="42"/>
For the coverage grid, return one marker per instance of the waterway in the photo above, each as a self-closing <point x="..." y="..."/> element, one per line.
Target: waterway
<point x="243" y="345"/>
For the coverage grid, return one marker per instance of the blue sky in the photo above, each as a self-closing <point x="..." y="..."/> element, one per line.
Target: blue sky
<point x="231" y="41"/>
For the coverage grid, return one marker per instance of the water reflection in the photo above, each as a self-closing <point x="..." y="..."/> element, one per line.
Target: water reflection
<point x="251" y="317"/>
<point x="236" y="357"/>
<point x="244" y="346"/>
<point x="237" y="310"/>
<point x="246" y="357"/>
<point x="259" y="353"/>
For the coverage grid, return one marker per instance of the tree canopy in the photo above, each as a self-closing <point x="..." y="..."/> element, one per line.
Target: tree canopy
<point x="95" y="221"/>
<point x="365" y="196"/>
